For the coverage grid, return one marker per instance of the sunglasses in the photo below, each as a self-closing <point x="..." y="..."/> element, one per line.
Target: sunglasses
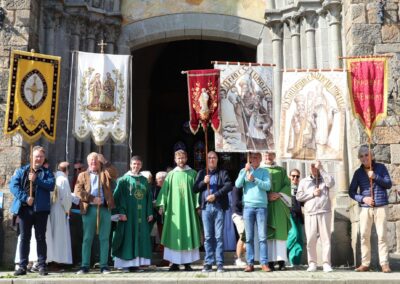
<point x="295" y="176"/>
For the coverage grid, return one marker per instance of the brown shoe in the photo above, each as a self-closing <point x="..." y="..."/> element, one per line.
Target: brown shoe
<point x="265" y="268"/>
<point x="386" y="268"/>
<point x="249" y="268"/>
<point x="362" y="268"/>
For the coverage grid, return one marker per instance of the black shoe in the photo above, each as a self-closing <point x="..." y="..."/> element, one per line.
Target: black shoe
<point x="281" y="264"/>
<point x="20" y="271"/>
<point x="188" y="267"/>
<point x="105" y="270"/>
<point x="206" y="268"/>
<point x="83" y="270"/>
<point x="174" y="267"/>
<point x="271" y="265"/>
<point x="43" y="271"/>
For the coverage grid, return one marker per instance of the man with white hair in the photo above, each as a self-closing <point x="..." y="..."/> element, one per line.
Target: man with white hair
<point x="374" y="206"/>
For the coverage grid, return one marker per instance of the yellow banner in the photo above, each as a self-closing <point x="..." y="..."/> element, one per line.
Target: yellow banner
<point x="33" y="95"/>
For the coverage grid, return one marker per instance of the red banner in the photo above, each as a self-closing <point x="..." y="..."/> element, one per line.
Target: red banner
<point x="203" y="90"/>
<point x="368" y="90"/>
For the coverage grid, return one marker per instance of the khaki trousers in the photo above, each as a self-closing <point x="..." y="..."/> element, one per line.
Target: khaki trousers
<point x="368" y="216"/>
<point x="314" y="225"/>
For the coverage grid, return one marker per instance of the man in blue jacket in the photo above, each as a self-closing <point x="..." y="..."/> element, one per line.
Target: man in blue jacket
<point x="374" y="209"/>
<point x="32" y="210"/>
<point x="213" y="203"/>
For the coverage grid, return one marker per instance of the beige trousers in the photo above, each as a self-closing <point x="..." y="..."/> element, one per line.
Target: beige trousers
<point x="378" y="216"/>
<point x="314" y="225"/>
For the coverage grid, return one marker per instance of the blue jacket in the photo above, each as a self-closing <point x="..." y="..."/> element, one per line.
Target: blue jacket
<point x="380" y="184"/>
<point x="42" y="186"/>
<point x="224" y="185"/>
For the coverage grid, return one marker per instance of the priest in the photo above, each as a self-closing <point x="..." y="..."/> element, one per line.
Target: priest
<point x="178" y="203"/>
<point x="279" y="203"/>
<point x="131" y="245"/>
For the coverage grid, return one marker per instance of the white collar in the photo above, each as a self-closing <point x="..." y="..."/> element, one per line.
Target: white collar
<point x="129" y="173"/>
<point x="179" y="169"/>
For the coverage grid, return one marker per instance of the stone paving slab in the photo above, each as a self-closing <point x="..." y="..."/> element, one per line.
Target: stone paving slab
<point x="231" y="275"/>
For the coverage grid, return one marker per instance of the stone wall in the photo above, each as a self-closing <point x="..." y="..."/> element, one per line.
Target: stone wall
<point x="366" y="33"/>
<point x="18" y="32"/>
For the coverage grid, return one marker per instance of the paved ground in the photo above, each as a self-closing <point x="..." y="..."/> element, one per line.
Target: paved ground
<point x="232" y="275"/>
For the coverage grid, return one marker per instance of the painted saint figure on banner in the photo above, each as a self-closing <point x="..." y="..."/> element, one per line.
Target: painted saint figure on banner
<point x="312" y="122"/>
<point x="101" y="95"/>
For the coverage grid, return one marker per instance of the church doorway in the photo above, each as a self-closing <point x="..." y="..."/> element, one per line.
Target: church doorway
<point x="160" y="111"/>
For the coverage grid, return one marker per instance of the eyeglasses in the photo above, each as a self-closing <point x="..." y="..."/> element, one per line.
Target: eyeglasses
<point x="295" y="176"/>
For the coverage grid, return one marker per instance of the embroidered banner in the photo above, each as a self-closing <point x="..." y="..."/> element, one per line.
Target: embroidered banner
<point x="313" y="115"/>
<point x="203" y="87"/>
<point x="33" y="95"/>
<point x="101" y="96"/>
<point x="246" y="109"/>
<point x="368" y="86"/>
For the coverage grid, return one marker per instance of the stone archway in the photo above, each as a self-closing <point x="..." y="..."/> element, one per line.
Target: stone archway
<point x="183" y="26"/>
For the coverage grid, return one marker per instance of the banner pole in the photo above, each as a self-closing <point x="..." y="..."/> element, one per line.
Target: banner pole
<point x="206" y="138"/>
<point x="98" y="195"/>
<point x="31" y="170"/>
<point x="370" y="166"/>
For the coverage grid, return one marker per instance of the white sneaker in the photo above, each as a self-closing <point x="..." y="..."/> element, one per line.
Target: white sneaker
<point x="240" y="263"/>
<point x="312" y="267"/>
<point x="327" y="267"/>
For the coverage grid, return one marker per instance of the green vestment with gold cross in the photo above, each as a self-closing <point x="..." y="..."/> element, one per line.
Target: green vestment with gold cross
<point x="132" y="198"/>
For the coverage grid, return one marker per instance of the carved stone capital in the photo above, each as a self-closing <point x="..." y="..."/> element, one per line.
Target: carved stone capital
<point x="277" y="30"/>
<point x="334" y="7"/>
<point x="293" y="23"/>
<point x="49" y="19"/>
<point x="311" y="18"/>
<point x="111" y="33"/>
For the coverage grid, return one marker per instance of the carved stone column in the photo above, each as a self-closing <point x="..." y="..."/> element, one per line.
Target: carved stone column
<point x="91" y="37"/>
<point x="74" y="26"/>
<point x="334" y="7"/>
<point x="294" y="27"/>
<point x="111" y="35"/>
<point x="277" y="52"/>
<point x="49" y="26"/>
<point x="311" y="19"/>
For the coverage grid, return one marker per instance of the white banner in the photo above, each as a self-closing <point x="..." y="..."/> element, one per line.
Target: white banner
<point x="313" y="115"/>
<point x="101" y="96"/>
<point x="246" y="103"/>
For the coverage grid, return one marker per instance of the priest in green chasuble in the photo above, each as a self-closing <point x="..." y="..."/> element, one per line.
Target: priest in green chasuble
<point x="178" y="203"/>
<point x="131" y="245"/>
<point x="279" y="203"/>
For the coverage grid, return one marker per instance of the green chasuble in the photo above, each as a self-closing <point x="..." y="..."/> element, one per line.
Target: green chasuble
<point x="133" y="198"/>
<point x="181" y="229"/>
<point x="278" y="212"/>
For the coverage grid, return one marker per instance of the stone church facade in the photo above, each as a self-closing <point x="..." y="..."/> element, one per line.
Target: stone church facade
<point x="310" y="34"/>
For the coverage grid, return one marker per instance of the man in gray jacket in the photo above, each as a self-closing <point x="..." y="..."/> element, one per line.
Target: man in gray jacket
<point x="314" y="192"/>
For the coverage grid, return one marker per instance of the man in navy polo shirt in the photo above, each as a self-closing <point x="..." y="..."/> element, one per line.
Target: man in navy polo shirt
<point x="213" y="203"/>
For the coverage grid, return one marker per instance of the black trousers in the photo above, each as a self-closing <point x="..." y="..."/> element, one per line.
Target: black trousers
<point x="27" y="219"/>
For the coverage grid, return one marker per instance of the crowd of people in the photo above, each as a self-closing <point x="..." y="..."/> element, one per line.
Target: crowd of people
<point x="188" y="209"/>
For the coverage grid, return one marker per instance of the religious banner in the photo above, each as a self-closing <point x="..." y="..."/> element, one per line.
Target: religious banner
<point x="313" y="115"/>
<point x="101" y="96"/>
<point x="246" y="103"/>
<point x="368" y="84"/>
<point x="203" y="86"/>
<point x="33" y="95"/>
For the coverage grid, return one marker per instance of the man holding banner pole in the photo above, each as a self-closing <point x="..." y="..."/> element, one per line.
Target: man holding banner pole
<point x="32" y="208"/>
<point x="93" y="187"/>
<point x="373" y="209"/>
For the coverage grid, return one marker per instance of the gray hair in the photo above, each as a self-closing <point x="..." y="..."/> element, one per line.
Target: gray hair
<point x="364" y="149"/>
<point x="161" y="175"/>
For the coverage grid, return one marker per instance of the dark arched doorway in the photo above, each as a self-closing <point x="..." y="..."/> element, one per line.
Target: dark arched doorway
<point x="159" y="96"/>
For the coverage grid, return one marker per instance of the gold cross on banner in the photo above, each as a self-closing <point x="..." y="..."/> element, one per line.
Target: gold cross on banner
<point x="102" y="44"/>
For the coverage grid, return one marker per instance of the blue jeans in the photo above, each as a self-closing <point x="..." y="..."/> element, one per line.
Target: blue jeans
<point x="213" y="223"/>
<point x="257" y="216"/>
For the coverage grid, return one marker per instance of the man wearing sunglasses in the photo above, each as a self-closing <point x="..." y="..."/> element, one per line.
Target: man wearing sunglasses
<point x="373" y="208"/>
